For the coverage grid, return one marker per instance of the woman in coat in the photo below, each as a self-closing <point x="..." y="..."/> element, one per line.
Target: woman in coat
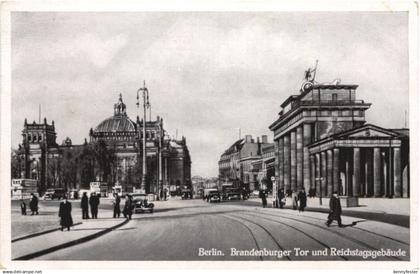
<point x="33" y="204"/>
<point x="65" y="214"/>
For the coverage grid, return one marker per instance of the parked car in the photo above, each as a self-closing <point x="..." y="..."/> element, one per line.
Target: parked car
<point x="54" y="193"/>
<point x="141" y="204"/>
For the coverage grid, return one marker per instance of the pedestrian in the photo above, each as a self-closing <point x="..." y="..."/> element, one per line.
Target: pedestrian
<point x="85" y="206"/>
<point x="165" y="194"/>
<point x="281" y="197"/>
<point x="23" y="207"/>
<point x="117" y="210"/>
<point x="128" y="210"/>
<point x="65" y="214"/>
<point x="295" y="200"/>
<point x="264" y="199"/>
<point x="33" y="204"/>
<point x="302" y="200"/>
<point x="335" y="210"/>
<point x="94" y="203"/>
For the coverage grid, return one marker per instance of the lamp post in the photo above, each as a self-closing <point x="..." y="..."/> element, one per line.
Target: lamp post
<point x="146" y="105"/>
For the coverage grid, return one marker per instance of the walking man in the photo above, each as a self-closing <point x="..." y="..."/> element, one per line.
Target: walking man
<point x="85" y="206"/>
<point x="94" y="203"/>
<point x="117" y="210"/>
<point x="281" y="197"/>
<point x="264" y="199"/>
<point x="33" y="204"/>
<point x="302" y="200"/>
<point x="65" y="214"/>
<point x="128" y="207"/>
<point x="335" y="210"/>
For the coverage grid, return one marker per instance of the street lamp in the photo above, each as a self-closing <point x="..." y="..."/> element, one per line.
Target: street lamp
<point x="146" y="105"/>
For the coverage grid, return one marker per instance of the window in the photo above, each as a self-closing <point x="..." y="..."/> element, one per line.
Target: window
<point x="29" y="137"/>
<point x="40" y="137"/>
<point x="334" y="97"/>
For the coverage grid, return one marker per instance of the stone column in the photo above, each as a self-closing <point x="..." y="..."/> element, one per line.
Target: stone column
<point x="306" y="159"/>
<point x="276" y="161"/>
<point x="356" y="172"/>
<point x="369" y="173"/>
<point x="385" y="175"/>
<point x="377" y="172"/>
<point x="397" y="172"/>
<point x="281" y="161"/>
<point x="329" y="172"/>
<point x="347" y="184"/>
<point x="313" y="176"/>
<point x="299" y="158"/>
<point x="318" y="174"/>
<point x="293" y="172"/>
<point x="336" y="170"/>
<point x="286" y="162"/>
<point x="324" y="174"/>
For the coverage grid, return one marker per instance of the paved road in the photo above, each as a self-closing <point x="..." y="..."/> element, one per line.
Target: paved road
<point x="179" y="230"/>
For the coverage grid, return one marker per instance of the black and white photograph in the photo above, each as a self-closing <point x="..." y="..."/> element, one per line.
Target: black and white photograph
<point x="210" y="136"/>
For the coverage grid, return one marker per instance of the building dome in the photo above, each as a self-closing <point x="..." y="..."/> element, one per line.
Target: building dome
<point x="119" y="122"/>
<point x="116" y="124"/>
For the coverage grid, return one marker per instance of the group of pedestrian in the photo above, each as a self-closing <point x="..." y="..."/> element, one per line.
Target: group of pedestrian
<point x="300" y="203"/>
<point x="33" y="205"/>
<point x="93" y="202"/>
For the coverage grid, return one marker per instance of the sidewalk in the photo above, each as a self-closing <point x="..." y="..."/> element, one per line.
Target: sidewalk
<point x="392" y="211"/>
<point x="36" y="235"/>
<point x="43" y="244"/>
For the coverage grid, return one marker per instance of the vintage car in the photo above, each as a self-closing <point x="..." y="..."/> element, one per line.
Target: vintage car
<point x="231" y="194"/>
<point x="54" y="193"/>
<point x="186" y="194"/>
<point x="213" y="196"/>
<point x="141" y="204"/>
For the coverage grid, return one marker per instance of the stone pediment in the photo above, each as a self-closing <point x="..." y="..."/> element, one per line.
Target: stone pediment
<point x="368" y="131"/>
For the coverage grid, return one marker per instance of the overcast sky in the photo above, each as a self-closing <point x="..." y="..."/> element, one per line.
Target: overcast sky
<point x="208" y="74"/>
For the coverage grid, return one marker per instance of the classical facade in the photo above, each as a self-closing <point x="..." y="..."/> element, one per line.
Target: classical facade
<point x="322" y="144"/>
<point x="168" y="161"/>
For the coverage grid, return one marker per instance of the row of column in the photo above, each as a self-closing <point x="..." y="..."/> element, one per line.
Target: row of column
<point x="325" y="172"/>
<point x="293" y="163"/>
<point x="379" y="178"/>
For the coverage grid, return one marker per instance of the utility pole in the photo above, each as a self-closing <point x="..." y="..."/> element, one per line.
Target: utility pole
<point x="146" y="105"/>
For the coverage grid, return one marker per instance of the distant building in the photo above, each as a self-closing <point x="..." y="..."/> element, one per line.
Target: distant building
<point x="168" y="161"/>
<point x="236" y="164"/>
<point x="323" y="144"/>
